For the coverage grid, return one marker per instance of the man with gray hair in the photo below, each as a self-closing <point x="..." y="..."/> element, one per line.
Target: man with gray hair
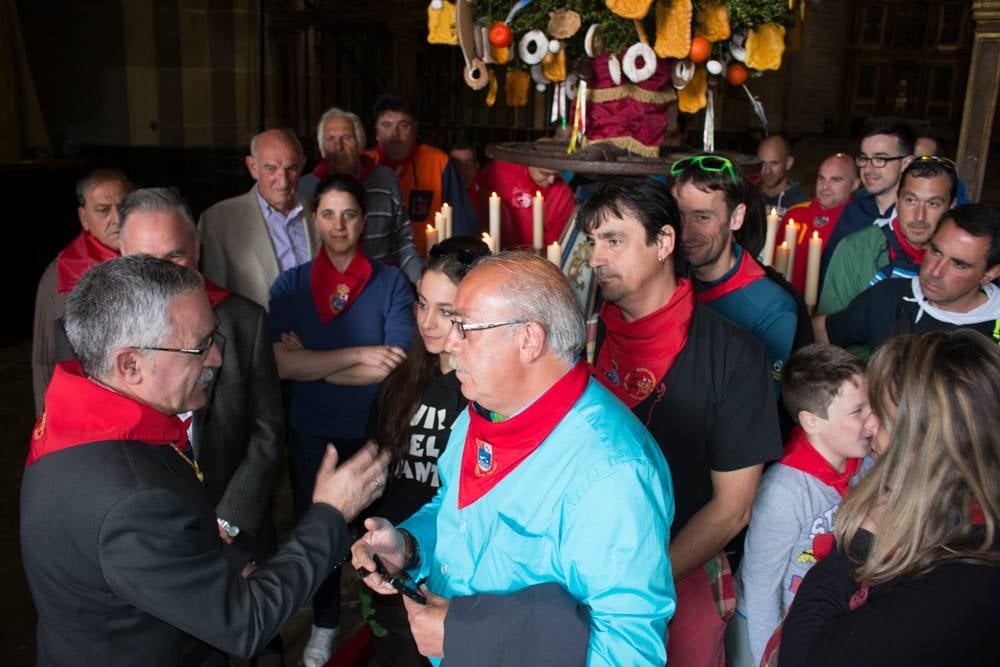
<point x="118" y="536"/>
<point x="237" y="436"/>
<point x="547" y="477"/>
<point x="388" y="236"/>
<point x="250" y="239"/>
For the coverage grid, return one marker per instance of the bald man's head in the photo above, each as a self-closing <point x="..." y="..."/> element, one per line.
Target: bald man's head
<point x="776" y="159"/>
<point x="275" y="162"/>
<point x="837" y="179"/>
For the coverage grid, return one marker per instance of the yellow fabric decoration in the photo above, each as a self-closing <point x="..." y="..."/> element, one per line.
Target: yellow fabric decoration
<point x="673" y="28"/>
<point x="516" y="87"/>
<point x="694" y="96"/>
<point x="713" y="21"/>
<point x="441" y="24"/>
<point x="629" y="9"/>
<point x="501" y="54"/>
<point x="491" y="93"/>
<point x="765" y="44"/>
<point x="554" y="66"/>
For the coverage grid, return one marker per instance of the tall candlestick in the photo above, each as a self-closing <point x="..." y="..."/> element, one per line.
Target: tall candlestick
<point x="447" y="232"/>
<point x="490" y="243"/>
<point x="495" y="220"/>
<point x="772" y="235"/>
<point x="554" y="253"/>
<point x="812" y="269"/>
<point x="792" y="239"/>
<point x="538" y="228"/>
<point x="781" y="258"/>
<point x="439" y="226"/>
<point x="432" y="238"/>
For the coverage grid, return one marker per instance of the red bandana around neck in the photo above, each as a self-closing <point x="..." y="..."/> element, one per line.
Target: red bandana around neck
<point x="801" y="455"/>
<point x="635" y="356"/>
<point x="747" y="272"/>
<point x="80" y="411"/>
<point x="84" y="253"/>
<point x="215" y="293"/>
<point x="333" y="292"/>
<point x="395" y="164"/>
<point x="494" y="449"/>
<point x="916" y="255"/>
<point x="365" y="166"/>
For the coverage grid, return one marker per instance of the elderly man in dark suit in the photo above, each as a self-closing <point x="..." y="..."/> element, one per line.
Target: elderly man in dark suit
<point x="237" y="435"/>
<point x="118" y="536"/>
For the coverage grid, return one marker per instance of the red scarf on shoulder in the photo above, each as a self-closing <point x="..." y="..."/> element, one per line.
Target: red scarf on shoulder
<point x="81" y="255"/>
<point x="79" y="411"/>
<point x="635" y="356"/>
<point x="494" y="449"/>
<point x="333" y="292"/>
<point x="365" y="166"/>
<point x="801" y="455"/>
<point x="215" y="293"/>
<point x="748" y="271"/>
<point x="915" y="254"/>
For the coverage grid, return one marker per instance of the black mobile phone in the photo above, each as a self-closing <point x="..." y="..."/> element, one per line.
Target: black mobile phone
<point x="401" y="582"/>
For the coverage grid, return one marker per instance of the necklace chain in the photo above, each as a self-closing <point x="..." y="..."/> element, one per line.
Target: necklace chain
<point x="190" y="461"/>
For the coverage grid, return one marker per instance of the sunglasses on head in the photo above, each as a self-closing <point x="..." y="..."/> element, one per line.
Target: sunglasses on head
<point x="943" y="161"/>
<point x="707" y="163"/>
<point x="466" y="257"/>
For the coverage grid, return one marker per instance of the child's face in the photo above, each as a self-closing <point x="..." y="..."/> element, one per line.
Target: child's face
<point x="850" y="424"/>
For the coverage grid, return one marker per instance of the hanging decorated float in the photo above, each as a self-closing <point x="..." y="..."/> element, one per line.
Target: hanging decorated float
<point x="615" y="66"/>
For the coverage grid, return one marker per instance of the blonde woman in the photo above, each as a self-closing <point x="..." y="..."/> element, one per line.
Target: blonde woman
<point x="915" y="575"/>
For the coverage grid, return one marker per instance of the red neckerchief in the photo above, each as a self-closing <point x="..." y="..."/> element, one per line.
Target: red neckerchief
<point x="916" y="255"/>
<point x="215" y="293"/>
<point x="365" y="166"/>
<point x="635" y="356"/>
<point x="747" y="271"/>
<point x="494" y="449"/>
<point x="80" y="256"/>
<point x="333" y="292"/>
<point x="80" y="411"/>
<point x="382" y="158"/>
<point x="801" y="455"/>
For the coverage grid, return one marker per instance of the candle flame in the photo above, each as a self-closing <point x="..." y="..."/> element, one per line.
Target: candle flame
<point x="815" y="235"/>
<point x="774" y="211"/>
<point x="494" y="195"/>
<point x="538" y="193"/>
<point x="486" y="237"/>
<point x="784" y="244"/>
<point x="430" y="228"/>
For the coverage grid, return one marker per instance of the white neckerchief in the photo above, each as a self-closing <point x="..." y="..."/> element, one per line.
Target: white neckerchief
<point x="983" y="313"/>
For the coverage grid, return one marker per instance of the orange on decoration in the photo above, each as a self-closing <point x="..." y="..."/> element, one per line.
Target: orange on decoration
<point x="737" y="74"/>
<point x="501" y="35"/>
<point x="700" y="49"/>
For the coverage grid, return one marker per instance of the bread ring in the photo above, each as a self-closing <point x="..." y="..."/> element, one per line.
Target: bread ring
<point x="631" y="58"/>
<point x="533" y="47"/>
<point x="615" y="69"/>
<point x="475" y="74"/>
<point x="593" y="43"/>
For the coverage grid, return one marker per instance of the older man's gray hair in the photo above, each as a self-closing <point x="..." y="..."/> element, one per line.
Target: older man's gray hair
<point x="286" y="133"/>
<point x="153" y="200"/>
<point x="95" y="178"/>
<point x="536" y="290"/>
<point x="335" y="112"/>
<point x="124" y="302"/>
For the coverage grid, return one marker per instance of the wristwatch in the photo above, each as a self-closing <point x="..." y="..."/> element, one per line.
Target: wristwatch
<point x="231" y="530"/>
<point x="411" y="556"/>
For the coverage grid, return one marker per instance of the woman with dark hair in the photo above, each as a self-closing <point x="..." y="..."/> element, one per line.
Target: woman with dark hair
<point x="339" y="324"/>
<point x="412" y="418"/>
<point x="915" y="574"/>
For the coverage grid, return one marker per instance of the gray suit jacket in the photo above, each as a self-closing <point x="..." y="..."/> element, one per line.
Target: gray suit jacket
<point x="237" y="251"/>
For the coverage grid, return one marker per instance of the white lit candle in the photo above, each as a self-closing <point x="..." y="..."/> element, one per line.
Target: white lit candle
<point x="812" y="270"/>
<point x="781" y="258"/>
<point x="495" y="220"/>
<point x="772" y="235"/>
<point x="488" y="240"/>
<point x="538" y="227"/>
<point x="554" y="253"/>
<point x="792" y="239"/>
<point x="432" y="238"/>
<point x="446" y="231"/>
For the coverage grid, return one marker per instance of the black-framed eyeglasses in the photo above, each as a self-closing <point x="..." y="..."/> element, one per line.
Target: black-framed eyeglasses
<point x="943" y="161"/>
<point x="878" y="161"/>
<point x="466" y="257"/>
<point x="214" y="338"/>
<point x="707" y="163"/>
<point x="463" y="328"/>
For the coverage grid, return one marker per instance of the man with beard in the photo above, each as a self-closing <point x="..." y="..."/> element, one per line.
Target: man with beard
<point x="954" y="289"/>
<point x="725" y="277"/>
<point x="836" y="182"/>
<point x="98" y="194"/>
<point x="886" y="150"/>
<point x="896" y="248"/>
<point x="237" y="436"/>
<point x="780" y="192"/>
<point x="388" y="236"/>
<point x="427" y="177"/>
<point x="696" y="380"/>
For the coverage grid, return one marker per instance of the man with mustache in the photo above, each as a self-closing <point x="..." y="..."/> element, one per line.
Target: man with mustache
<point x="697" y="381"/>
<point x="237" y="435"/>
<point x="895" y="248"/>
<point x="248" y="240"/>
<point x="886" y="150"/>
<point x="388" y="235"/>
<point x="98" y="194"/>
<point x="954" y="289"/>
<point x="119" y="538"/>
<point x="427" y="177"/>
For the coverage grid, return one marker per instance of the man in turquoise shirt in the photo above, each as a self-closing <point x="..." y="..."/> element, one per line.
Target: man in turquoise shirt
<point x="550" y="479"/>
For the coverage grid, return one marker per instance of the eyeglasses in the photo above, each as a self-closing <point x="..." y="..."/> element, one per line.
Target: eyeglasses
<point x="707" y="163"/>
<point x="213" y="338"/>
<point x="878" y="162"/>
<point x="943" y="161"/>
<point x="462" y="328"/>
